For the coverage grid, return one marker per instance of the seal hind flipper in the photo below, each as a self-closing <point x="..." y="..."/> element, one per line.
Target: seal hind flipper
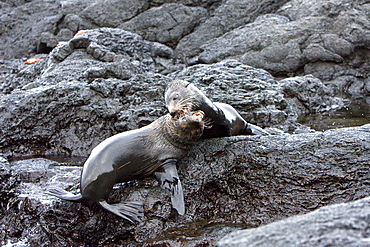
<point x="251" y="129"/>
<point x="168" y="178"/>
<point x="65" y="195"/>
<point x="130" y="211"/>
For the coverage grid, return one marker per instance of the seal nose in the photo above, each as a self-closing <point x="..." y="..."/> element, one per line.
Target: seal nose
<point x="172" y="113"/>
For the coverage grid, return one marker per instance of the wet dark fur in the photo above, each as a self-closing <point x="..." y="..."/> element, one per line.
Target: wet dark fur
<point x="226" y="121"/>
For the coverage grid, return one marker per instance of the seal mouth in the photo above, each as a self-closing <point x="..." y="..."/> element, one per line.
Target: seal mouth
<point x="199" y="115"/>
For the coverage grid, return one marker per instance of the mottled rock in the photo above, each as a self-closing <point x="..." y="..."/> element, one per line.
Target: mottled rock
<point x="29" y="27"/>
<point x="167" y="23"/>
<point x="303" y="36"/>
<point x="111" y="13"/>
<point x="308" y="94"/>
<point x="100" y="78"/>
<point x="343" y="224"/>
<point x="226" y="188"/>
<point x="80" y="98"/>
<point x="227" y="16"/>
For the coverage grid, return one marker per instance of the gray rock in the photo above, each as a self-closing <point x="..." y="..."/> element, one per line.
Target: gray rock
<point x="308" y="94"/>
<point x="252" y="92"/>
<point x="343" y="224"/>
<point x="258" y="97"/>
<point x="226" y="188"/>
<point x="99" y="79"/>
<point x="257" y="180"/>
<point x="16" y="24"/>
<point x="167" y="23"/>
<point x="111" y="13"/>
<point x="227" y="16"/>
<point x="85" y="95"/>
<point x="29" y="27"/>
<point x="319" y="34"/>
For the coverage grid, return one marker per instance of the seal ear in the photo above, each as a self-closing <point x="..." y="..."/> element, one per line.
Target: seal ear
<point x="168" y="178"/>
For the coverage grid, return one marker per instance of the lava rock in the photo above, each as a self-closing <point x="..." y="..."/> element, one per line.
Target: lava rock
<point x="343" y="224"/>
<point x="166" y="24"/>
<point x="226" y="188"/>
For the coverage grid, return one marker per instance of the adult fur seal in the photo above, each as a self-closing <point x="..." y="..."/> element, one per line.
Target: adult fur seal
<point x="136" y="154"/>
<point x="226" y="121"/>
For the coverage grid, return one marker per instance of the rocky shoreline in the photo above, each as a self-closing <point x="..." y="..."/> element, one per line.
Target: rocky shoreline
<point x="272" y="61"/>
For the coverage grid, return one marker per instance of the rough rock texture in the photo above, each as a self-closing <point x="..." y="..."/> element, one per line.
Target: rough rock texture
<point x="230" y="14"/>
<point x="87" y="91"/>
<point x="111" y="13"/>
<point x="344" y="224"/>
<point x="104" y="81"/>
<point x="99" y="83"/>
<point x="305" y="35"/>
<point x="167" y="23"/>
<point x="328" y="39"/>
<point x="225" y="188"/>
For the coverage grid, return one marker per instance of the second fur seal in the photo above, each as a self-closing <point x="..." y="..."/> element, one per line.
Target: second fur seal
<point x="226" y="121"/>
<point x="136" y="154"/>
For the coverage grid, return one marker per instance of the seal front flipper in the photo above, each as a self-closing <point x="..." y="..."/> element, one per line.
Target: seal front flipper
<point x="130" y="211"/>
<point x="168" y="178"/>
<point x="62" y="194"/>
<point x="251" y="129"/>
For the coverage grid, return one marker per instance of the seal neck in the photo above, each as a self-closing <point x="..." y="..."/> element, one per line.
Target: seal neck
<point x="177" y="137"/>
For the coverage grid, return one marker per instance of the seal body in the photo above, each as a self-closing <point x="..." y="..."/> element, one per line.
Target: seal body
<point x="136" y="154"/>
<point x="226" y="121"/>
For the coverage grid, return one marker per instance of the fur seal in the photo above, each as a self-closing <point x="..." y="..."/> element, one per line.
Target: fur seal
<point x="226" y="121"/>
<point x="136" y="154"/>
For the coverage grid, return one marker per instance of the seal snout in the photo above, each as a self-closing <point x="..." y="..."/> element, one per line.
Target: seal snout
<point x="198" y="116"/>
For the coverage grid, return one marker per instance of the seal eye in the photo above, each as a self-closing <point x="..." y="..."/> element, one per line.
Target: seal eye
<point x="176" y="97"/>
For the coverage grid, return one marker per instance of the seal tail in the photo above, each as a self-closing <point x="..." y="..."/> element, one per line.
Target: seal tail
<point x="130" y="211"/>
<point x="65" y="195"/>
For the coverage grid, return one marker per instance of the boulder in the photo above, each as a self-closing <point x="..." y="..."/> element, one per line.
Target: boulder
<point x="30" y="27"/>
<point x="100" y="83"/>
<point x="229" y="183"/>
<point x="343" y="224"/>
<point x="318" y="37"/>
<point x="87" y="89"/>
<point x="166" y="24"/>
<point x="228" y="15"/>
<point x="111" y="13"/>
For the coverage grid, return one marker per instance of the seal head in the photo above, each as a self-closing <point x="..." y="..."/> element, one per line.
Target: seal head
<point x="226" y="121"/>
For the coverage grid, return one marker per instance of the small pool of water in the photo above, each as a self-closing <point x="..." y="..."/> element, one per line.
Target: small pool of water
<point x="64" y="160"/>
<point x="356" y="114"/>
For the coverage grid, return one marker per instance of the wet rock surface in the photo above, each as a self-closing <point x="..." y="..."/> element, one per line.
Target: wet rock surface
<point x="229" y="183"/>
<point x="337" y="225"/>
<point x="273" y="61"/>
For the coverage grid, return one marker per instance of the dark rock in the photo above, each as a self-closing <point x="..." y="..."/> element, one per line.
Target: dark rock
<point x="308" y="94"/>
<point x="304" y="36"/>
<point x="166" y="24"/>
<point x="226" y="188"/>
<point x="257" y="96"/>
<point x="98" y="79"/>
<point x="343" y="224"/>
<point x="111" y="13"/>
<point x="104" y="81"/>
<point x="227" y="16"/>
<point x="80" y="97"/>
<point x="253" y="92"/>
<point x="30" y="27"/>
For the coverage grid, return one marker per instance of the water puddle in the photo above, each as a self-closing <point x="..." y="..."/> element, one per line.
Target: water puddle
<point x="63" y="160"/>
<point x="356" y="114"/>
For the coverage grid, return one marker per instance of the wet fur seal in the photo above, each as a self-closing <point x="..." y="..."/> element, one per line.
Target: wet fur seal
<point x="226" y="121"/>
<point x="153" y="149"/>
